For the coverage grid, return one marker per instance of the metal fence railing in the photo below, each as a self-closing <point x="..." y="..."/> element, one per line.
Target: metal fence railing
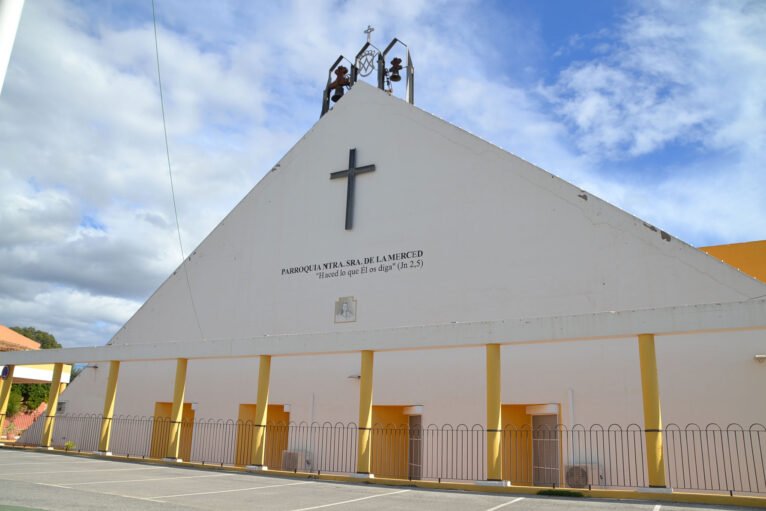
<point x="711" y="458"/>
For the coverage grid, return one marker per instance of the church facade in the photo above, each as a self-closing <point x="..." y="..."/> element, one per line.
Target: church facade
<point x="386" y="218"/>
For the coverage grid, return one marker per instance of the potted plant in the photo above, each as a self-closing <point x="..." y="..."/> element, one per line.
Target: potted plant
<point x="10" y="431"/>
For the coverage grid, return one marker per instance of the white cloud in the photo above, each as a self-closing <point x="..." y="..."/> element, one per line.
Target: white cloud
<point x="86" y="223"/>
<point x="685" y="81"/>
<point x="74" y="317"/>
<point x="677" y="75"/>
<point x="52" y="211"/>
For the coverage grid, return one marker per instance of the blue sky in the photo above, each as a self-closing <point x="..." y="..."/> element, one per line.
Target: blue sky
<point x="657" y="107"/>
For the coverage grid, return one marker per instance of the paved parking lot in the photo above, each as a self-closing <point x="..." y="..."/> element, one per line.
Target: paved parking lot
<point x="35" y="480"/>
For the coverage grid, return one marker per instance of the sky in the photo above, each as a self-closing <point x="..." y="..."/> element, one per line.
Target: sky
<point x="657" y="107"/>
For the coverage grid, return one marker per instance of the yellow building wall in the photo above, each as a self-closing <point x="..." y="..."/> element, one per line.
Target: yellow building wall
<point x="277" y="433"/>
<point x="748" y="257"/>
<point x="161" y="430"/>
<point x="517" y="444"/>
<point x="390" y="441"/>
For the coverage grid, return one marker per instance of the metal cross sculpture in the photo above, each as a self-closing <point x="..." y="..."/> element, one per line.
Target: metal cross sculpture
<point x="369" y="31"/>
<point x="351" y="173"/>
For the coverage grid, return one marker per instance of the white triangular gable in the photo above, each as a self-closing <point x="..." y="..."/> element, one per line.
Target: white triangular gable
<point x="473" y="233"/>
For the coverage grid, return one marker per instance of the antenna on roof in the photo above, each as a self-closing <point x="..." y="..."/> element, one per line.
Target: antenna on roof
<point x="366" y="61"/>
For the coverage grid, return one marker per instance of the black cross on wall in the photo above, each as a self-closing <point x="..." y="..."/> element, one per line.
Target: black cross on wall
<point x="351" y="173"/>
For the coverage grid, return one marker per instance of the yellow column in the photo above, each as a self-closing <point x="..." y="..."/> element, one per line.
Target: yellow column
<point x="494" y="420"/>
<point x="261" y="413"/>
<point x="176" y="414"/>
<point x="5" y="394"/>
<point x="650" y="391"/>
<point x="106" y="418"/>
<point x="53" y="402"/>
<point x="364" y="456"/>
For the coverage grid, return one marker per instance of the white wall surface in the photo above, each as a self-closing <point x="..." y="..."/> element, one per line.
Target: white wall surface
<point x="703" y="378"/>
<point x="501" y="239"/>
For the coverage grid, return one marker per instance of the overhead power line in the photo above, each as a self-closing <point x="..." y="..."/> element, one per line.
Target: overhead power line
<point x="170" y="175"/>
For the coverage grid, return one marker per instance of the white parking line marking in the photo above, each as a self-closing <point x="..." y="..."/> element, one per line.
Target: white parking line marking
<point x="41" y="484"/>
<point x="121" y="495"/>
<point x="352" y="500"/>
<point x="81" y="471"/>
<point x="657" y="508"/>
<point x="89" y="491"/>
<point x="229" y="491"/>
<point x="505" y="504"/>
<point x="137" y="480"/>
<point x="49" y="463"/>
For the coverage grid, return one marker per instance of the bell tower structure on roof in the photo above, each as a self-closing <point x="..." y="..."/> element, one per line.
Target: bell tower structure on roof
<point x="370" y="59"/>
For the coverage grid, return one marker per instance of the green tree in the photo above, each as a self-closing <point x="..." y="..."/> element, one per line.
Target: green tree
<point x="14" y="403"/>
<point x="46" y="340"/>
<point x="32" y="394"/>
